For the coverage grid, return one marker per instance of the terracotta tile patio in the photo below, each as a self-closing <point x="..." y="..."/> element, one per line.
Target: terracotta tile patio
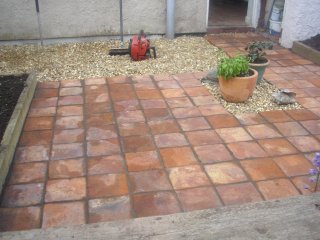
<point x="105" y="149"/>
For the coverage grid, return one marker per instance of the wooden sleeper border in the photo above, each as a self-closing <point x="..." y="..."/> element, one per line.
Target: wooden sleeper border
<point x="14" y="127"/>
<point x="306" y="52"/>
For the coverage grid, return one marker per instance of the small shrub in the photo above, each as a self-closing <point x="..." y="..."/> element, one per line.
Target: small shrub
<point x="233" y="67"/>
<point x="256" y="51"/>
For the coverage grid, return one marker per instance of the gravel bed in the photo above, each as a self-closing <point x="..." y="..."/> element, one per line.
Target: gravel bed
<point x="260" y="101"/>
<point x="83" y="60"/>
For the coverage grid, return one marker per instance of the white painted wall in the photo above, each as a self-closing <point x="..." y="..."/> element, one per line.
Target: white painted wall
<point x="301" y="20"/>
<point x="84" y="18"/>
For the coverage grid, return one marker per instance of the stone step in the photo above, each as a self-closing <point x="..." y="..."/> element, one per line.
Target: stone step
<point x="292" y="218"/>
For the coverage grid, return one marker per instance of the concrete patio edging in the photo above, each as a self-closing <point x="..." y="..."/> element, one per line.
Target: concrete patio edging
<point x="291" y="218"/>
<point x="306" y="52"/>
<point x="14" y="127"/>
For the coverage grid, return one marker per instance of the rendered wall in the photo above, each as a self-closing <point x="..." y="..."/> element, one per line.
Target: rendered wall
<point x="301" y="21"/>
<point x="81" y="18"/>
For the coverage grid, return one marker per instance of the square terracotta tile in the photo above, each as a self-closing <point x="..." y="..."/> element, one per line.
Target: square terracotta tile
<point x="142" y="161"/>
<point x="69" y="122"/>
<point x="101" y="132"/>
<point x="179" y="102"/>
<point x="213" y="153"/>
<point x="242" y="150"/>
<point x="238" y="193"/>
<point x="95" y="81"/>
<point x="38" y="123"/>
<point x="191" y="124"/>
<point x="153" y="103"/>
<point x="173" y="93"/>
<point x="32" y="153"/>
<point x="277" y="188"/>
<point x="65" y="189"/>
<point x="107" y="185"/>
<point x="28" y="172"/>
<point x="197" y="91"/>
<point x="186" y="112"/>
<point x="64" y="151"/>
<point x="304" y="185"/>
<point x="132" y="129"/>
<point x="109" y="209"/>
<point x="262" y="131"/>
<point x="17" y="219"/>
<point x="170" y="140"/>
<point x="313" y="126"/>
<point x="138" y="143"/>
<point x="63" y="214"/>
<point x="22" y="195"/>
<point x="105" y="165"/>
<point x="48" y="84"/>
<point x="188" y="177"/>
<point x="177" y="157"/>
<point x="148" y="94"/>
<point x="276" y="116"/>
<point x="222" y="121"/>
<point x="152" y="204"/>
<point x="44" y="102"/>
<point x="236" y="134"/>
<point x="70" y="168"/>
<point x="198" y="198"/>
<point x="308" y="102"/>
<point x="163" y="77"/>
<point x="70" y="100"/>
<point x="204" y="100"/>
<point x="42" y="112"/>
<point x="144" y="86"/>
<point x="127" y="105"/>
<point x="70" y="91"/>
<point x="168" y="84"/>
<point x="99" y="119"/>
<point x="103" y="147"/>
<point x="294" y="165"/>
<point x="302" y="115"/>
<point x="205" y="137"/>
<point x="96" y="108"/>
<point x="157" y="114"/>
<point x="262" y="169"/>
<point x="149" y="181"/>
<point x="74" y="110"/>
<point x="276" y="147"/>
<point x="305" y="143"/>
<point x="209" y="110"/>
<point x="163" y="126"/>
<point x="130" y="116"/>
<point x="291" y="129"/>
<point x="70" y="83"/>
<point x="102" y="97"/>
<point x="46" y="93"/>
<point x="224" y="173"/>
<point x="68" y="136"/>
<point x="118" y="79"/>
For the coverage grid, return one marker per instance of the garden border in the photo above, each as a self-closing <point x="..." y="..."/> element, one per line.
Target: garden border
<point x="14" y="127"/>
<point x="307" y="52"/>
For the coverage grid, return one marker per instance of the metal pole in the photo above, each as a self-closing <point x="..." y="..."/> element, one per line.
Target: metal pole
<point x="121" y="22"/>
<point x="39" y="21"/>
<point x="170" y="19"/>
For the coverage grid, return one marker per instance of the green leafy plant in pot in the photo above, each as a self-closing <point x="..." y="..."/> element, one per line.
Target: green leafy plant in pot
<point x="257" y="56"/>
<point x="237" y="80"/>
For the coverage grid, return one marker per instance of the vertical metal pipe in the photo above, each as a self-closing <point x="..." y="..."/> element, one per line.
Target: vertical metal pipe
<point x="170" y="19"/>
<point x="39" y="21"/>
<point x="121" y="21"/>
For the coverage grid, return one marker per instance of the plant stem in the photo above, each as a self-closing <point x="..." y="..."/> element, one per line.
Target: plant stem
<point x="317" y="181"/>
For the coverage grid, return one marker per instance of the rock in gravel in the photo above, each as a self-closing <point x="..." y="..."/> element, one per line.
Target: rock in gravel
<point x="212" y="75"/>
<point x="283" y="97"/>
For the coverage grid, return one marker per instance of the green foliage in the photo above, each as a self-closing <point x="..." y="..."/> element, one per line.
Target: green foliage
<point x="233" y="67"/>
<point x="256" y="51"/>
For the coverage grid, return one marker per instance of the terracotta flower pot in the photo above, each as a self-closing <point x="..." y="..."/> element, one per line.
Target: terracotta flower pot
<point x="260" y="68"/>
<point x="238" y="89"/>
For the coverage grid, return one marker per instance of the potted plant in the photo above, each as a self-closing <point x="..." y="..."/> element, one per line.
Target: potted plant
<point x="257" y="56"/>
<point x="236" y="80"/>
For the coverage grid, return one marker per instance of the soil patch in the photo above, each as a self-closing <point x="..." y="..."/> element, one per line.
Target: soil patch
<point x="313" y="42"/>
<point x="10" y="89"/>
